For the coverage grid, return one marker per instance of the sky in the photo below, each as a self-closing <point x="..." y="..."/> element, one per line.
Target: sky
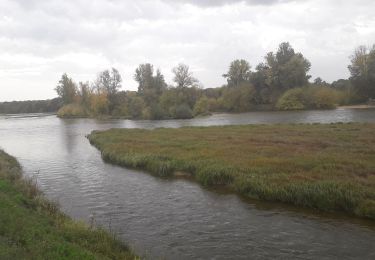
<point x="41" y="40"/>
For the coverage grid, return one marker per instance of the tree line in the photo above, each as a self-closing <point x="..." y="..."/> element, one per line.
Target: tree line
<point x="281" y="81"/>
<point x="31" y="106"/>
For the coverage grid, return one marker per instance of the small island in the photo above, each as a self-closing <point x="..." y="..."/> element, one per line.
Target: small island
<point x="329" y="167"/>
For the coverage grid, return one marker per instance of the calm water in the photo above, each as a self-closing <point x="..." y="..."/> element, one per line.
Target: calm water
<point x="177" y="219"/>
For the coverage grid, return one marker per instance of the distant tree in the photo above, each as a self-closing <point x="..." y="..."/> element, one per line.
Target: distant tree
<point x="287" y="69"/>
<point x="201" y="106"/>
<point x="66" y="89"/>
<point x="259" y="81"/>
<point x="31" y="106"/>
<point x="99" y="104"/>
<point x="84" y="93"/>
<point x="239" y="72"/>
<point x="239" y="99"/>
<point x="183" y="77"/>
<point x="318" y="81"/>
<point x="144" y="76"/>
<point x="150" y="86"/>
<point x="362" y="71"/>
<point x="109" y="82"/>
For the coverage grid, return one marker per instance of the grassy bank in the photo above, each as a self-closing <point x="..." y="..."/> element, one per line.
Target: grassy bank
<point x="33" y="228"/>
<point x="326" y="167"/>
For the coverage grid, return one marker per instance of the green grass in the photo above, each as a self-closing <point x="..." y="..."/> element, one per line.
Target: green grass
<point x="326" y="167"/>
<point x="31" y="227"/>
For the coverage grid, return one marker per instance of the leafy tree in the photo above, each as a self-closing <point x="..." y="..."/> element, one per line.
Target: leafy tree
<point x="150" y="87"/>
<point x="84" y="93"/>
<point x="362" y="71"/>
<point x="66" y="89"/>
<point x="99" y="104"/>
<point x="239" y="99"/>
<point x="109" y="82"/>
<point x="287" y="69"/>
<point x="144" y="76"/>
<point x="259" y="78"/>
<point x="239" y="72"/>
<point x="183" y="77"/>
<point x="136" y="107"/>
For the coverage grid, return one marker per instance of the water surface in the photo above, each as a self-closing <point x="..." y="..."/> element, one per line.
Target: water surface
<point x="178" y="219"/>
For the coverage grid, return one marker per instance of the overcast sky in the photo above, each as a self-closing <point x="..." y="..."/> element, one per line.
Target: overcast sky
<point x="40" y="40"/>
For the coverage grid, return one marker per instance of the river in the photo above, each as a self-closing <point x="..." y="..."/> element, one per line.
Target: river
<point x="178" y="219"/>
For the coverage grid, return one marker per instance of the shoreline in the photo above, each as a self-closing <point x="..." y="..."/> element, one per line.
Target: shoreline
<point x="34" y="227"/>
<point x="363" y="106"/>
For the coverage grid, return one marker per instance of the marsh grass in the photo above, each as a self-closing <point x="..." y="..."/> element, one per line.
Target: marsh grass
<point x="32" y="227"/>
<point x="326" y="167"/>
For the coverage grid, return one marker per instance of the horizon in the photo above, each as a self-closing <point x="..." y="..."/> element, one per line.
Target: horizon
<point x="41" y="41"/>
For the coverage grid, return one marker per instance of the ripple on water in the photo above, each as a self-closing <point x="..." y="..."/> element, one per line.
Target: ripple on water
<point x="178" y="219"/>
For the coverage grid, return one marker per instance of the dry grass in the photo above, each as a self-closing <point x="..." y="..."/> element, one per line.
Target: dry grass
<point x="327" y="167"/>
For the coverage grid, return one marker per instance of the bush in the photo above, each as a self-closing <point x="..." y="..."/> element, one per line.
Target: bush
<point x="239" y="99"/>
<point x="321" y="97"/>
<point x="183" y="112"/>
<point x="72" y="110"/>
<point x="153" y="112"/>
<point x="292" y="99"/>
<point x="201" y="107"/>
<point x="309" y="98"/>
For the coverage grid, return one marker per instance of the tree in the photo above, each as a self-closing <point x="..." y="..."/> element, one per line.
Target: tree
<point x="287" y="69"/>
<point x="239" y="72"/>
<point x="362" y="71"/>
<point x="183" y="77"/>
<point x="84" y="93"/>
<point x="109" y="82"/>
<point x="144" y="76"/>
<point x="259" y="81"/>
<point x="150" y="87"/>
<point x="239" y="99"/>
<point x="66" y="89"/>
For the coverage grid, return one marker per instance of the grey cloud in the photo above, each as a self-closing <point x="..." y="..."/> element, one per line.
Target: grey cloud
<point x="210" y="3"/>
<point x="82" y="37"/>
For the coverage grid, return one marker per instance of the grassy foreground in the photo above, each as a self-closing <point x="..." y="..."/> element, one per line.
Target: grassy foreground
<point x="33" y="228"/>
<point x="327" y="167"/>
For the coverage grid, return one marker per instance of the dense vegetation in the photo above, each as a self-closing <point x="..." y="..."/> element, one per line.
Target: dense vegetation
<point x="280" y="82"/>
<point x="31" y="106"/>
<point x="327" y="167"/>
<point x="33" y="228"/>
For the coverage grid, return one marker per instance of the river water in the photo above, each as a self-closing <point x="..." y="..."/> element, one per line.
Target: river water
<point x="178" y="219"/>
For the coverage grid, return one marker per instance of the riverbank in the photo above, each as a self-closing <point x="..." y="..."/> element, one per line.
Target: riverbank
<point x="32" y="227"/>
<point x="363" y="106"/>
<point x="325" y="167"/>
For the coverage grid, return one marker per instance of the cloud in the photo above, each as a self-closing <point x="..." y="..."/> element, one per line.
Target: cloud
<point x="210" y="3"/>
<point x="40" y="40"/>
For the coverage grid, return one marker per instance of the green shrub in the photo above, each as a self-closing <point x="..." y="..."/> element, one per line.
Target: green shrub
<point x="201" y="107"/>
<point x="292" y="99"/>
<point x="311" y="97"/>
<point x="183" y="112"/>
<point x="321" y="97"/>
